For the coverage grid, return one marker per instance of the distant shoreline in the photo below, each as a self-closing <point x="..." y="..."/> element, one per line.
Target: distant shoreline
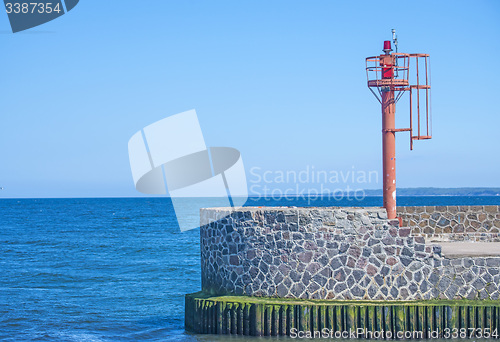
<point x="428" y="191"/>
<point x="249" y="197"/>
<point x="401" y="192"/>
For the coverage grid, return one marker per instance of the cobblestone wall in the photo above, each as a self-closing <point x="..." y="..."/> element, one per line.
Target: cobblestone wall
<point x="332" y="253"/>
<point x="453" y="223"/>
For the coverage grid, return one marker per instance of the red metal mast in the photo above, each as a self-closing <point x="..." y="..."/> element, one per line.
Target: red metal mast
<point x="388" y="134"/>
<point x="389" y="74"/>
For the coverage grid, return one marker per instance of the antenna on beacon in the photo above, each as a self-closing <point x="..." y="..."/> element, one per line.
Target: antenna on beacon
<point x="395" y="42"/>
<point x="395" y="39"/>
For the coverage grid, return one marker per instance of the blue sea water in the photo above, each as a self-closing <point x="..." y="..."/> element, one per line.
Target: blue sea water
<point x="112" y="269"/>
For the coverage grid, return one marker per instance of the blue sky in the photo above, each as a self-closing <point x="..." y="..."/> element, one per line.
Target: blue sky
<point x="282" y="81"/>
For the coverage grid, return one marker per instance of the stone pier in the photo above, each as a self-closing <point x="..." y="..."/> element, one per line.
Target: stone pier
<point x="347" y="256"/>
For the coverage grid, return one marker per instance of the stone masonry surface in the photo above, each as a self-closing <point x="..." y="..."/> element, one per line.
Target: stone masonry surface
<point x="332" y="253"/>
<point x="453" y="223"/>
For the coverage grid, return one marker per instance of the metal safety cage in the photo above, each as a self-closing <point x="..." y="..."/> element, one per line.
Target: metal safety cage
<point x="420" y="91"/>
<point x="399" y="67"/>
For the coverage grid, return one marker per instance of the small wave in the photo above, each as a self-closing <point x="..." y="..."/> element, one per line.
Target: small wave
<point x="78" y="337"/>
<point x="29" y="289"/>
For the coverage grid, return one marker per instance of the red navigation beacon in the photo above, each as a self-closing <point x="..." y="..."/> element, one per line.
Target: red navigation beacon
<point x="389" y="75"/>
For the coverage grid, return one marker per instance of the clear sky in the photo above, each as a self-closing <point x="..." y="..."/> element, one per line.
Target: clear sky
<point x="282" y="81"/>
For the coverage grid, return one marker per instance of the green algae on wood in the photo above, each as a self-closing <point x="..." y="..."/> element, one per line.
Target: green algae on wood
<point x="257" y="316"/>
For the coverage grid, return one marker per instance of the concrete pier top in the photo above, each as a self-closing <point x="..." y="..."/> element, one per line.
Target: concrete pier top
<point x="469" y="249"/>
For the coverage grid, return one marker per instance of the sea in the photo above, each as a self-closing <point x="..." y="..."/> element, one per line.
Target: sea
<point x="114" y="269"/>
